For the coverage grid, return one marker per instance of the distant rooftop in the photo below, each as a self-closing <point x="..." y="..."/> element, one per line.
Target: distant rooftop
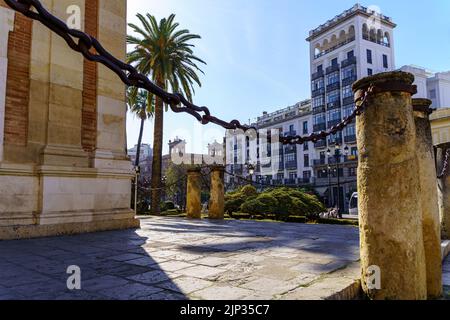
<point x="357" y="8"/>
<point x="299" y="109"/>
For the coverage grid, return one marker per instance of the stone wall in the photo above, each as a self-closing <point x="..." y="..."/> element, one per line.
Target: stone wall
<point x="65" y="168"/>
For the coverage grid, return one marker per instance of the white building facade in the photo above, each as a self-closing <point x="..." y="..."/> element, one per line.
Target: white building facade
<point x="355" y="44"/>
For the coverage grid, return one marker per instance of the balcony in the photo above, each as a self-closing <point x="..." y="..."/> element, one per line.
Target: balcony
<point x="320" y="127"/>
<point x="320" y="144"/>
<point x="350" y="139"/>
<point x="319" y="109"/>
<point x="334" y="105"/>
<point x="348" y="62"/>
<point x="290" y="133"/>
<point x="317" y="75"/>
<point x="318" y="92"/>
<point x="348" y="100"/>
<point x="332" y="69"/>
<point x="290" y="149"/>
<point x="290" y="182"/>
<point x="317" y="56"/>
<point x="333" y="86"/>
<point x="348" y="81"/>
<point x="291" y="165"/>
<point x="319" y="162"/>
<point x="332" y="142"/>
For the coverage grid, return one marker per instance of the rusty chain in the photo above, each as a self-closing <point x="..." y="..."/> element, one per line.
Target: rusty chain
<point x="83" y="43"/>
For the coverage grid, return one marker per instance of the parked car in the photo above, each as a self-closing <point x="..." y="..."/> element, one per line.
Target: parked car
<point x="353" y="204"/>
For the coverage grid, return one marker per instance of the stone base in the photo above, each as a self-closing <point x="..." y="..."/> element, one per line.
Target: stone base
<point x="36" y="231"/>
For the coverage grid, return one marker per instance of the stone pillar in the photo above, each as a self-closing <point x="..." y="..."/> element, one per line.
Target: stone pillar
<point x="6" y="25"/>
<point x="428" y="196"/>
<point x="194" y="187"/>
<point x="443" y="193"/>
<point x="217" y="200"/>
<point x="391" y="240"/>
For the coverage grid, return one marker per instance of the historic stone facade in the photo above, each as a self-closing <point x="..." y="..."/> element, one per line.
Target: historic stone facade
<point x="63" y="163"/>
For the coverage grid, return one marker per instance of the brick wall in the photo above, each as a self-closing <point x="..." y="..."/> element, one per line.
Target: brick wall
<point x="89" y="111"/>
<point x="18" y="81"/>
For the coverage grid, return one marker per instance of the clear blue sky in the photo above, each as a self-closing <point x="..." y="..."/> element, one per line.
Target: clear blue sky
<point x="258" y="59"/>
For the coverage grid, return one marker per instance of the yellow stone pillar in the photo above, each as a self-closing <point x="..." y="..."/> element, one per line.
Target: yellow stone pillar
<point x="391" y="240"/>
<point x="428" y="196"/>
<point x="217" y="200"/>
<point x="443" y="193"/>
<point x="194" y="187"/>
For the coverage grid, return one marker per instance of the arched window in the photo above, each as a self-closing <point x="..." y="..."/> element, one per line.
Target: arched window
<point x="379" y="36"/>
<point x="365" y="32"/>
<point x="351" y="33"/>
<point x="317" y="51"/>
<point x="373" y="35"/>
<point x="386" y="39"/>
<point x="342" y="36"/>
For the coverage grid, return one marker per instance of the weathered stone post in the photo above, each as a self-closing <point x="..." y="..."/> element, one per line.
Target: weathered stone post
<point x="443" y="193"/>
<point x="217" y="198"/>
<point x="194" y="186"/>
<point x="391" y="240"/>
<point x="428" y="196"/>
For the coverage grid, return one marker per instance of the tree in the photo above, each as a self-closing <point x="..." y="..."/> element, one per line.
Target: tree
<point x="176" y="183"/>
<point x="163" y="53"/>
<point x="139" y="104"/>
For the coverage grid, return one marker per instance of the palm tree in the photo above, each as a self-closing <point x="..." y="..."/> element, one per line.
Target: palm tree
<point x="163" y="53"/>
<point x="140" y="105"/>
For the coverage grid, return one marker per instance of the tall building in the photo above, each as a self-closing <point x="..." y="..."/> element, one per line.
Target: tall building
<point x="294" y="162"/>
<point x="355" y="44"/>
<point x="63" y="164"/>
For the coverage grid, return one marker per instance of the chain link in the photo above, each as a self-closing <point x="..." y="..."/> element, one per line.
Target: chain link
<point x="445" y="166"/>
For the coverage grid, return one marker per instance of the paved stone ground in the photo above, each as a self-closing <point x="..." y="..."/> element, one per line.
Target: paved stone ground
<point x="172" y="258"/>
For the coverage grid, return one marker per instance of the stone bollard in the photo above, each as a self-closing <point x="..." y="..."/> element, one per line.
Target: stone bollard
<point x="217" y="200"/>
<point x="194" y="187"/>
<point x="443" y="193"/>
<point x="391" y="240"/>
<point x="428" y="196"/>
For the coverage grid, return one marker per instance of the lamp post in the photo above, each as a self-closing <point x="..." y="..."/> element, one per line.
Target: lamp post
<point x="329" y="184"/>
<point x="251" y="171"/>
<point x="337" y="155"/>
<point x="137" y="171"/>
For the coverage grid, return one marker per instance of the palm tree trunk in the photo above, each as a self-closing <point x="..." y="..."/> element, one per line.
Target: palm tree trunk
<point x="138" y="150"/>
<point x="157" y="154"/>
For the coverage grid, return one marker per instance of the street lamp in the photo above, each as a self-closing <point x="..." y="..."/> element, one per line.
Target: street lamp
<point x="251" y="170"/>
<point x="137" y="171"/>
<point x="337" y="155"/>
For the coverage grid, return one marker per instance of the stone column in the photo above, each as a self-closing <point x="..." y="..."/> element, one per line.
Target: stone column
<point x="194" y="187"/>
<point x="428" y="196"/>
<point x="391" y="240"/>
<point x="217" y="200"/>
<point x="443" y="193"/>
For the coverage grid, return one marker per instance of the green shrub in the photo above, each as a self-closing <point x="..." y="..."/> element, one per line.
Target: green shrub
<point x="262" y="204"/>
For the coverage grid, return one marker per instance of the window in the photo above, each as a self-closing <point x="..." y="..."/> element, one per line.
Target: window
<point x="319" y="68"/>
<point x="433" y="94"/>
<point x="334" y="62"/>
<point x="333" y="78"/>
<point x="290" y="157"/>
<point x="333" y="96"/>
<point x="385" y="61"/>
<point x="369" y="72"/>
<point x="369" y="56"/>
<point x="350" y="131"/>
<point x="319" y="119"/>
<point x="334" y="115"/>
<point x="306" y="160"/>
<point x="305" y="127"/>
<point x="352" y="172"/>
<point x="306" y="146"/>
<point x="318" y="101"/>
<point x="291" y="128"/>
<point x="350" y="54"/>
<point x="349" y="72"/>
<point x="354" y="151"/>
<point x="306" y="174"/>
<point x="347" y="110"/>
<point x="280" y="176"/>
<point x="347" y="91"/>
<point x="317" y="84"/>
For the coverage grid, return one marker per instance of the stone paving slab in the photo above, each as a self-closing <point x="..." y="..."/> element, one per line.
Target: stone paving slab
<point x="174" y="258"/>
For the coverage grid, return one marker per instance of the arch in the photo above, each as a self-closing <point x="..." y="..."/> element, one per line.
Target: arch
<point x="379" y="36"/>
<point x="342" y="36"/>
<point x="387" y="39"/>
<point x="325" y="44"/>
<point x="333" y="41"/>
<point x="373" y="35"/>
<point x="351" y="32"/>
<point x="317" y="50"/>
<point x="365" y="31"/>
